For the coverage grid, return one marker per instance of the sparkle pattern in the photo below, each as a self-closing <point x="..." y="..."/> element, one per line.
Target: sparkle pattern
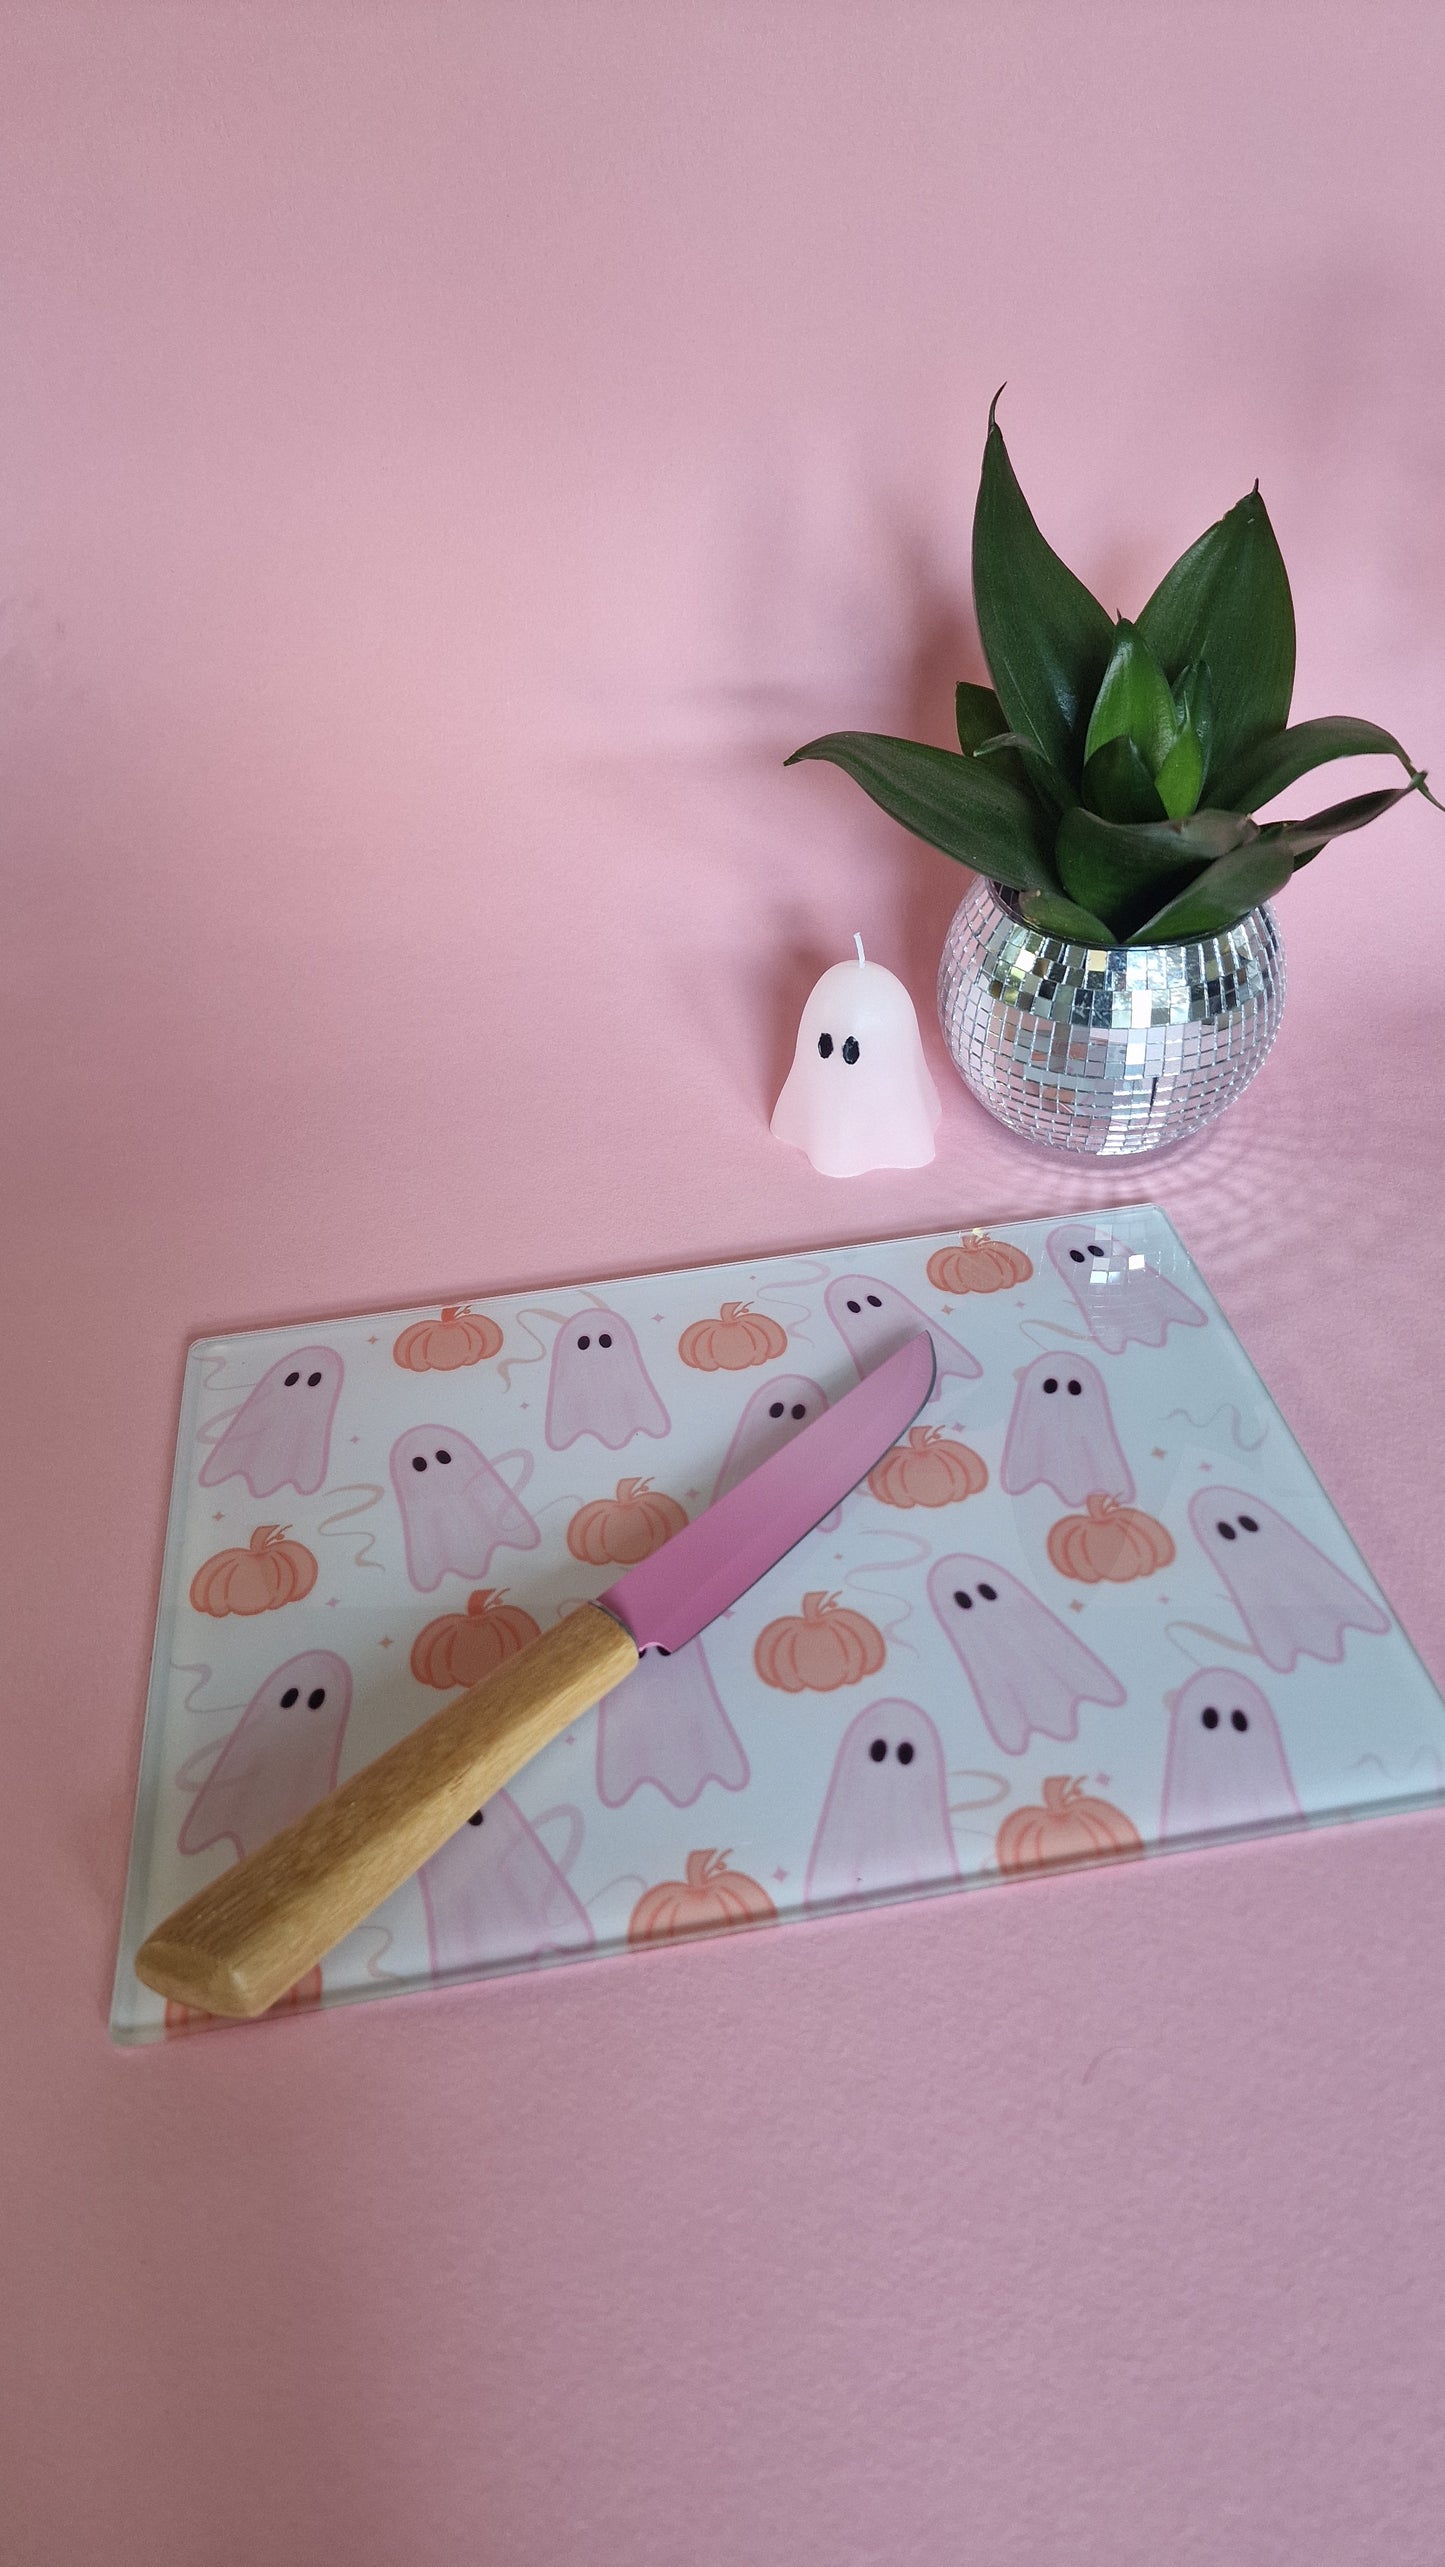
<point x="1105" y="1053"/>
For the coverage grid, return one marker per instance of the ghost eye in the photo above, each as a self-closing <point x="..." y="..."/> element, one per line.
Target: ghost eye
<point x="418" y="1461"/>
<point x="825" y="1047"/>
<point x="989" y="1594"/>
<point x="799" y="1410"/>
<point x="1096" y="1251"/>
<point x="962" y="1598"/>
<point x="850" y="1050"/>
<point x="1249" y="1523"/>
<point x="291" y="1380"/>
<point x="311" y="1380"/>
<point x="1209" y="1716"/>
<point x="1239" y="1720"/>
<point x="1076" y="1256"/>
<point x="776" y="1409"/>
<point x="873" y="1301"/>
<point x="443" y="1456"/>
<point x="905" y="1751"/>
<point x="1051" y="1384"/>
<point x="315" y="1699"/>
<point x="604" y="1341"/>
<point x="582" y="1345"/>
<point x="292" y="1694"/>
<point x="857" y="1309"/>
<point x="476" y="1818"/>
<point x="878" y="1751"/>
<point x="1226" y="1532"/>
<point x="1074" y="1389"/>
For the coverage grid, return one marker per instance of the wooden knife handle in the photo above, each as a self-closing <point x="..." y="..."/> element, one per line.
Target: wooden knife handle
<point x="241" y="1943"/>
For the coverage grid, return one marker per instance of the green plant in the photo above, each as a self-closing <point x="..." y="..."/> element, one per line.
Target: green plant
<point x="1108" y="776"/>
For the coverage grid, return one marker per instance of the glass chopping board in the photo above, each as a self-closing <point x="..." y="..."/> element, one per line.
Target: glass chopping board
<point x="1095" y="1606"/>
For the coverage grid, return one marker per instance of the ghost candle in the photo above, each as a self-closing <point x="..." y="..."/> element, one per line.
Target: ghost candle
<point x="859" y="1094"/>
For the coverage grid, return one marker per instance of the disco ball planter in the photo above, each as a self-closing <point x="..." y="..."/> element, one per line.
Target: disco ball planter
<point x="1105" y="1050"/>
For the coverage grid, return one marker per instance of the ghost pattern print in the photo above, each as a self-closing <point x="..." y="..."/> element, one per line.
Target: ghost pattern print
<point x="1073" y="1611"/>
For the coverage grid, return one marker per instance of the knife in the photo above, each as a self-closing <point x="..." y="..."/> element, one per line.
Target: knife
<point x="240" y="1943"/>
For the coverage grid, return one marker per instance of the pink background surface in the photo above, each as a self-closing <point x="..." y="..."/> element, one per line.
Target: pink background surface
<point x="447" y="457"/>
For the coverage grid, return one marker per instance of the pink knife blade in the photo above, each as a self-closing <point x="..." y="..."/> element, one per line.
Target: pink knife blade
<point x="668" y="1599"/>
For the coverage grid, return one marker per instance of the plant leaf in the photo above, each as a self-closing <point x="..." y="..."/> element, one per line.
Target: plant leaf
<point x="1055" y="916"/>
<point x="979" y="715"/>
<point x="1225" y="892"/>
<point x="1179" y="779"/>
<point x="1272" y="765"/>
<point x="1122" y="873"/>
<point x="1119" y="786"/>
<point x="957" y="804"/>
<point x="1194" y="698"/>
<point x="1046" y="640"/>
<point x="1227" y="601"/>
<point x="1019" y="758"/>
<point x="1304" y="838"/>
<point x="1134" y="701"/>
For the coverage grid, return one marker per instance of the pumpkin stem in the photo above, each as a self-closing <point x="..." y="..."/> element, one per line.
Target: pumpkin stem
<point x="732" y="1310"/>
<point x="1102" y="1507"/>
<point x="701" y="1866"/>
<point x="266" y="1534"/>
<point x="627" y="1490"/>
<point x="817" y="1604"/>
<point x="482" y="1599"/>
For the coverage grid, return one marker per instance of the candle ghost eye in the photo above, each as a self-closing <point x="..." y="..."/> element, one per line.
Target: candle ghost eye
<point x="290" y="1696"/>
<point x="988" y="1593"/>
<point x="799" y="1411"/>
<point x="905" y="1751"/>
<point x="1226" y="1532"/>
<point x="1074" y="1389"/>
<point x="857" y="1308"/>
<point x="443" y="1456"/>
<point x="582" y="1345"/>
<point x="316" y="1698"/>
<point x="878" y="1751"/>
<point x="851" y="1050"/>
<point x="291" y="1380"/>
<point x="1239" y="1720"/>
<point x="873" y="1301"/>
<point x="825" y="1047"/>
<point x="1077" y="1255"/>
<point x="311" y="1380"/>
<point x="604" y="1339"/>
<point x="1051" y="1385"/>
<point x="775" y="1409"/>
<point x="1209" y="1716"/>
<point x="1249" y="1523"/>
<point x="476" y="1818"/>
<point x="962" y="1597"/>
<point x="418" y="1461"/>
<point x="1095" y="1250"/>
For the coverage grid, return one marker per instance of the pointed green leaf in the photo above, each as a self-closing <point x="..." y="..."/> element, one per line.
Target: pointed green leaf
<point x="979" y="715"/>
<point x="1227" y="601"/>
<point x="1225" y="892"/>
<point x="1046" y="640"/>
<point x="1123" y="874"/>
<point x="1304" y="838"/>
<point x="1194" y="700"/>
<point x="1019" y="758"/>
<point x="960" y="805"/>
<point x="1055" y="916"/>
<point x="1181" y="776"/>
<point x="1134" y="701"/>
<point x="1118" y="785"/>
<point x="1272" y="765"/>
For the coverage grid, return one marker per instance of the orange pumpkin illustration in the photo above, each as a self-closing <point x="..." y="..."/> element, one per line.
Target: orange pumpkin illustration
<point x="928" y="1470"/>
<point x="825" y="1646"/>
<point x="461" y="1336"/>
<point x="193" y="2018"/>
<point x="739" y="1337"/>
<point x="710" y="1896"/>
<point x="461" y="1648"/>
<point x="624" y="1529"/>
<point x="1071" y="1827"/>
<point x="270" y="1572"/>
<point x="1111" y="1541"/>
<point x="979" y="1264"/>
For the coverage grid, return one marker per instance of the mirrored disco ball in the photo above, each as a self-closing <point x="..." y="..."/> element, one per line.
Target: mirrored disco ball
<point x="1106" y="1053"/>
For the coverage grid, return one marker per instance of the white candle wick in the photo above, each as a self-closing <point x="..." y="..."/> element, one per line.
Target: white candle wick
<point x="858" y="941"/>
